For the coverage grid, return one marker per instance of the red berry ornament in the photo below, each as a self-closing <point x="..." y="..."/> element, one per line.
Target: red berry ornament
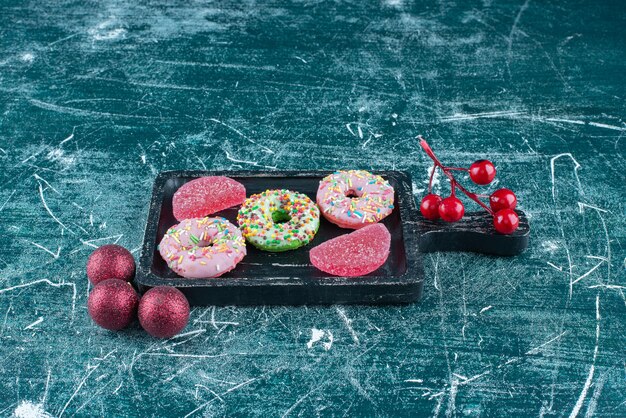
<point x="506" y="221"/>
<point x="430" y="206"/>
<point x="112" y="304"/>
<point x="482" y="172"/>
<point x="502" y="199"/>
<point x="163" y="311"/>
<point x="110" y="262"/>
<point x="451" y="209"/>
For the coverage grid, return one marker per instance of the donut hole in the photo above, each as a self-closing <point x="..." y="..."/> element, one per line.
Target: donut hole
<point x="280" y="216"/>
<point x="353" y="194"/>
<point x="204" y="244"/>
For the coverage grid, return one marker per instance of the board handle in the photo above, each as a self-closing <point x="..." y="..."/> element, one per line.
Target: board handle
<point x="474" y="233"/>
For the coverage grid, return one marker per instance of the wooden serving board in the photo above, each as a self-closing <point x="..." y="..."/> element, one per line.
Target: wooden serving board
<point x="288" y="278"/>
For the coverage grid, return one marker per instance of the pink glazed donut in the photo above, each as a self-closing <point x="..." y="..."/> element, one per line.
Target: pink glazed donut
<point x="354" y="198"/>
<point x="202" y="247"/>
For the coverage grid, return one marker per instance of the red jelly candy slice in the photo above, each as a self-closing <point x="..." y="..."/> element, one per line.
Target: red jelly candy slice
<point x="354" y="254"/>
<point x="207" y="195"/>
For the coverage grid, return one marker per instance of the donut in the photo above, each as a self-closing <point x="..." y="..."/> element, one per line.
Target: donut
<point x="354" y="198"/>
<point x="202" y="247"/>
<point x="278" y="220"/>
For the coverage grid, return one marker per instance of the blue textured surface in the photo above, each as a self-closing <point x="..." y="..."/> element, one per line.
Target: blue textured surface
<point x="96" y="98"/>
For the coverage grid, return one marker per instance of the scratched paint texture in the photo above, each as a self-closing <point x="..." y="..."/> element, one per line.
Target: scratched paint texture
<point x="97" y="97"/>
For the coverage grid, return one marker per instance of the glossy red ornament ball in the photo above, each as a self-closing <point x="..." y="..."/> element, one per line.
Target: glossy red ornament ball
<point x="430" y="206"/>
<point x="506" y="221"/>
<point x="112" y="304"/>
<point x="163" y="311"/>
<point x="482" y="172"/>
<point x="110" y="262"/>
<point x="451" y="209"/>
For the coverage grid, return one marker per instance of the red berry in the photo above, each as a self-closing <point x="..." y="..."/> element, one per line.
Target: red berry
<point x="482" y="172"/>
<point x="502" y="199"/>
<point x="430" y="206"/>
<point x="451" y="209"/>
<point x="506" y="221"/>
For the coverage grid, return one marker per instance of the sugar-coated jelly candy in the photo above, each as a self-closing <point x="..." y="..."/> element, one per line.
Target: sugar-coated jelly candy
<point x="207" y="195"/>
<point x="354" y="254"/>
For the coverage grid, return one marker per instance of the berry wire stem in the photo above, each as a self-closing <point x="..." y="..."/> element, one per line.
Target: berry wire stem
<point x="474" y="197"/>
<point x="446" y="170"/>
<point x="430" y="181"/>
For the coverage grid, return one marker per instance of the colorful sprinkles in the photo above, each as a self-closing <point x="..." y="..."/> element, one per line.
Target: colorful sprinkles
<point x="355" y="198"/>
<point x="278" y="220"/>
<point x="198" y="247"/>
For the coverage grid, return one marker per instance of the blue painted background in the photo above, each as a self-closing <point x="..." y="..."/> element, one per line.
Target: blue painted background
<point x="96" y="98"/>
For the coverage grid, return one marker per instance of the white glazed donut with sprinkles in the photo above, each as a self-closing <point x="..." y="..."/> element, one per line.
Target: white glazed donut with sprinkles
<point x="202" y="247"/>
<point x="355" y="198"/>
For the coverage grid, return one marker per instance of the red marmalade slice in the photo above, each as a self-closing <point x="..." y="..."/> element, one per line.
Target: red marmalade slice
<point x="207" y="195"/>
<point x="354" y="254"/>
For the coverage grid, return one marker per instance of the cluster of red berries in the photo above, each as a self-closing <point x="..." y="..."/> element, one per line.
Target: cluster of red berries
<point x="502" y="202"/>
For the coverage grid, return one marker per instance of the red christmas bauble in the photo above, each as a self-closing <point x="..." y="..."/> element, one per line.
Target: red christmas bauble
<point x="110" y="262"/>
<point x="163" y="311"/>
<point x="113" y="304"/>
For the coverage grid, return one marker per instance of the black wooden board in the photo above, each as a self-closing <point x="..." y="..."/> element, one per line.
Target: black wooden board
<point x="287" y="278"/>
<point x="474" y="233"/>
